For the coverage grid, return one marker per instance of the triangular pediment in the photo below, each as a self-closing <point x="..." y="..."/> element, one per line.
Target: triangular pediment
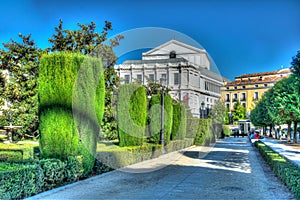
<point x="174" y="45"/>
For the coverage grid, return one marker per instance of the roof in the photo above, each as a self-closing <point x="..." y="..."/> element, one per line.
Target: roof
<point x="282" y="71"/>
<point x="177" y="43"/>
<point x="254" y="81"/>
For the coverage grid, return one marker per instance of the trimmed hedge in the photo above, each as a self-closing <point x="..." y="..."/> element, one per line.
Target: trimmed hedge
<point x="71" y="106"/>
<point x="287" y="171"/>
<point x="132" y="114"/>
<point x="123" y="156"/>
<point x="24" y="179"/>
<point x="203" y="135"/>
<point x="19" y="181"/>
<point x="179" y="122"/>
<point x="16" y="152"/>
<point x="155" y="118"/>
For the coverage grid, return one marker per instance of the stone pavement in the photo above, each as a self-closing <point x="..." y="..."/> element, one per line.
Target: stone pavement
<point x="231" y="169"/>
<point x="287" y="150"/>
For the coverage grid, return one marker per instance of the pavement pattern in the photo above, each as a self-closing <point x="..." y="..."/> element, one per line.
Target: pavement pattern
<point x="231" y="169"/>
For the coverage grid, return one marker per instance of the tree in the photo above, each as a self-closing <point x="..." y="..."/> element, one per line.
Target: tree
<point x="296" y="66"/>
<point x="21" y="59"/>
<point x="217" y="115"/>
<point x="285" y="103"/>
<point x="239" y="111"/>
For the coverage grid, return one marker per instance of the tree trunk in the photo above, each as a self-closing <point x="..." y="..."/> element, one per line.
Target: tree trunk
<point x="270" y="134"/>
<point x="295" y="132"/>
<point x="289" y="132"/>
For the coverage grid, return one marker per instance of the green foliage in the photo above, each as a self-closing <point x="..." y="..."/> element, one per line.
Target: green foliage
<point x="155" y="118"/>
<point x="203" y="134"/>
<point x="71" y="95"/>
<point x="116" y="157"/>
<point x="83" y="40"/>
<point x="15" y="152"/>
<point x="192" y="125"/>
<point x="218" y="113"/>
<point x="109" y="128"/>
<point x="239" y="112"/>
<point x="132" y="114"/>
<point x="296" y="66"/>
<point x="20" y="181"/>
<point x="288" y="172"/>
<point x="53" y="170"/>
<point x="179" y="122"/>
<point x="21" y="59"/>
<point x="226" y="131"/>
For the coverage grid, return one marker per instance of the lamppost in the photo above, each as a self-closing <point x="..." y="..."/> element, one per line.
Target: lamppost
<point x="202" y="108"/>
<point x="162" y="102"/>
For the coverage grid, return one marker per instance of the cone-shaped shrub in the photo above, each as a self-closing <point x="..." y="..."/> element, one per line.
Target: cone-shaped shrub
<point x="132" y="114"/>
<point x="71" y="106"/>
<point x="179" y="122"/>
<point x="155" y="118"/>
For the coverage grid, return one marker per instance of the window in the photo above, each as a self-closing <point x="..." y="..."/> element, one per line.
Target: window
<point x="256" y="86"/>
<point x="139" y="78"/>
<point x="227" y="106"/>
<point x="266" y="85"/>
<point x="255" y="95"/>
<point x="243" y="96"/>
<point x="164" y="76"/>
<point x="176" y="79"/>
<point x="151" y="77"/>
<point x="235" y="97"/>
<point x="244" y="86"/>
<point x="127" y="79"/>
<point x="227" y="88"/>
<point x="244" y="104"/>
<point x="172" y="54"/>
<point x="235" y="87"/>
<point x="227" y="97"/>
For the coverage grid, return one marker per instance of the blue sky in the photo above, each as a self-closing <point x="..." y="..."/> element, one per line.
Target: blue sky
<point x="241" y="36"/>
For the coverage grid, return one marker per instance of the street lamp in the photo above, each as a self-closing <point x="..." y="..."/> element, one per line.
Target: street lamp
<point x="162" y="130"/>
<point x="202" y="108"/>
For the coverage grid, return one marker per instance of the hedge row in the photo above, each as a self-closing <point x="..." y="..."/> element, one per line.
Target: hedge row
<point x="287" y="171"/>
<point x="22" y="180"/>
<point x="71" y="106"/>
<point x="179" y="122"/>
<point x="132" y="114"/>
<point x="155" y="118"/>
<point x="121" y="157"/>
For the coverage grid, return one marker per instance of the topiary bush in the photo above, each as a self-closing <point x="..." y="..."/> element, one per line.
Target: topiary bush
<point x="179" y="122"/>
<point x="203" y="135"/>
<point x="131" y="114"/>
<point x="71" y="105"/>
<point x="155" y="118"/>
<point x="192" y="125"/>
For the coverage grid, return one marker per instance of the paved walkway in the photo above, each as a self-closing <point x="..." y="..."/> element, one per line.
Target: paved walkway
<point x="232" y="169"/>
<point x="287" y="150"/>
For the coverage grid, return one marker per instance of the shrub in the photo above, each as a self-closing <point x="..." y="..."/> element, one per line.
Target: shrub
<point x="179" y="122"/>
<point x="53" y="170"/>
<point x="132" y="114"/>
<point x="71" y="105"/>
<point x="226" y="130"/>
<point x="203" y="135"/>
<point x="287" y="171"/>
<point x="19" y="181"/>
<point x="192" y="125"/>
<point x="155" y="118"/>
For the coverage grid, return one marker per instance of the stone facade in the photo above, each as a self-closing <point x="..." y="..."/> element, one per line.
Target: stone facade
<point x="186" y="70"/>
